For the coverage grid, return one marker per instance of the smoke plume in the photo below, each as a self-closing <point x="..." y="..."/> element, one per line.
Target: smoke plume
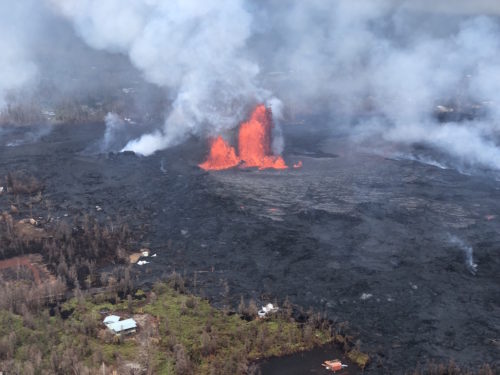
<point x="114" y="127"/>
<point x="379" y="69"/>
<point x="193" y="48"/>
<point x="468" y="253"/>
<point x="395" y="62"/>
<point x="16" y="66"/>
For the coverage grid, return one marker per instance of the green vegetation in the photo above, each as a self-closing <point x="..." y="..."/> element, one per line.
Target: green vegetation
<point x="359" y="358"/>
<point x="178" y="334"/>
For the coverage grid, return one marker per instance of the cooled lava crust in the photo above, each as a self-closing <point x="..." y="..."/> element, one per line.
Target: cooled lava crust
<point x="362" y="237"/>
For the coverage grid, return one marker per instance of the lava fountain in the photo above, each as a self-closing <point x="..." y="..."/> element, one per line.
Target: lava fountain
<point x="221" y="156"/>
<point x="254" y="146"/>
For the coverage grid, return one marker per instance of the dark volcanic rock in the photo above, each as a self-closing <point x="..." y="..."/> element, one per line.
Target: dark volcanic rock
<point x="363" y="238"/>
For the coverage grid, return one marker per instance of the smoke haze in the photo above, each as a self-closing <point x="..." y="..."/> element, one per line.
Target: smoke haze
<point x="379" y="69"/>
<point x="16" y="67"/>
<point x="468" y="253"/>
<point x="190" y="47"/>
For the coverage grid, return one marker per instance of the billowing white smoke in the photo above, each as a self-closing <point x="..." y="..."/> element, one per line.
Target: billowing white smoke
<point x="397" y="59"/>
<point x="16" y="67"/>
<point x="194" y="48"/>
<point x="460" y="66"/>
<point x="468" y="253"/>
<point x="278" y="143"/>
<point x="114" y="127"/>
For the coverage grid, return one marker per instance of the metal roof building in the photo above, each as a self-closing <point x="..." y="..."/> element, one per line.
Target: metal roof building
<point x="111" y="319"/>
<point x="117" y="326"/>
<point x="123" y="326"/>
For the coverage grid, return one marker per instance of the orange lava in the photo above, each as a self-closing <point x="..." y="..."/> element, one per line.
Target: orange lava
<point x="298" y="165"/>
<point x="222" y="156"/>
<point x="254" y="141"/>
<point x="254" y="146"/>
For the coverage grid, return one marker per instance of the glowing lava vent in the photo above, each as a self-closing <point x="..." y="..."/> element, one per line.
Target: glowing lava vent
<point x="254" y="145"/>
<point x="221" y="156"/>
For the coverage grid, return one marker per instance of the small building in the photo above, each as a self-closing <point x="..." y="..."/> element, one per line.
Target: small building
<point x="268" y="309"/>
<point x="118" y="326"/>
<point x="111" y="319"/>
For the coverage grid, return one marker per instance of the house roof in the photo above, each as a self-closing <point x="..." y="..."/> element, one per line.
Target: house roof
<point x="123" y="325"/>
<point x="111" y="319"/>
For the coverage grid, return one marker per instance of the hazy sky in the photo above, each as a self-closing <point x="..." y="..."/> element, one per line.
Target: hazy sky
<point x="490" y="7"/>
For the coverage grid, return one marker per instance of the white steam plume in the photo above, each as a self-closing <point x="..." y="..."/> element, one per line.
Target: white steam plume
<point x="393" y="61"/>
<point x="114" y="127"/>
<point x="16" y="67"/>
<point x="396" y="60"/>
<point x="468" y="253"/>
<point x="194" y="48"/>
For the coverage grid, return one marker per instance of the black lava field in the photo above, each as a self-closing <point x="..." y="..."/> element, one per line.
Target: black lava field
<point x="404" y="251"/>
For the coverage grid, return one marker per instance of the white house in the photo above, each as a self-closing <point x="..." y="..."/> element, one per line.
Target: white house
<point x="111" y="319"/>
<point x="268" y="309"/>
<point x="118" y="326"/>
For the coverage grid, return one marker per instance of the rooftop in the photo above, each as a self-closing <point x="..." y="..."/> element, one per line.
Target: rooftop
<point x="111" y="319"/>
<point x="123" y="325"/>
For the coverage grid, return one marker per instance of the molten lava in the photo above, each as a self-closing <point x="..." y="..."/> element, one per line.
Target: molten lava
<point x="254" y="146"/>
<point x="254" y="141"/>
<point x="222" y="156"/>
